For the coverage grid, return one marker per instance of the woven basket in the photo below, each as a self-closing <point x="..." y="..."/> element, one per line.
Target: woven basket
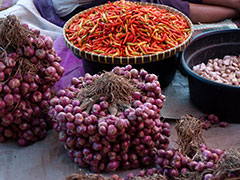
<point x="129" y="60"/>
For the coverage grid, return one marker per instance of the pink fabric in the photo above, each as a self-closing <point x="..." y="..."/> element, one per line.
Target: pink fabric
<point x="72" y="65"/>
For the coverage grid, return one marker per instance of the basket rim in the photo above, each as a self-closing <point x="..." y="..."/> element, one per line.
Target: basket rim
<point x="167" y="53"/>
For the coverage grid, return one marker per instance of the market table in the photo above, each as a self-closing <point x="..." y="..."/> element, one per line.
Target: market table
<point x="47" y="159"/>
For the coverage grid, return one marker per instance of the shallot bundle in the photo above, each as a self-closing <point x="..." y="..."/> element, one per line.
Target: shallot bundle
<point x="173" y="163"/>
<point x="192" y="155"/>
<point x="111" y="120"/>
<point x="29" y="67"/>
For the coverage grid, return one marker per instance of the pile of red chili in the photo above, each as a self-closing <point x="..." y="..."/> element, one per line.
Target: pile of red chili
<point x="126" y="28"/>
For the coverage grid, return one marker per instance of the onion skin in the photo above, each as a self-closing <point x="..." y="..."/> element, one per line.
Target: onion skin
<point x="223" y="124"/>
<point x="2" y="76"/>
<point x="33" y="87"/>
<point x="14" y="83"/>
<point x="6" y="89"/>
<point x="2" y="104"/>
<point x="9" y="99"/>
<point x="37" y="96"/>
<point x="2" y="66"/>
<point x="7" y="72"/>
<point x="48" y="42"/>
<point x="28" y="51"/>
<point x="24" y="88"/>
<point x="207" y="177"/>
<point x="10" y="62"/>
<point x="50" y="71"/>
<point x="207" y="155"/>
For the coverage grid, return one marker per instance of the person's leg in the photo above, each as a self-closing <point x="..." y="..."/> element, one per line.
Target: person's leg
<point x="235" y="4"/>
<point x="209" y="13"/>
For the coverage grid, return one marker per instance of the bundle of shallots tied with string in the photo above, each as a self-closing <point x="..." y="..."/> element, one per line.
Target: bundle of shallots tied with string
<point x="192" y="156"/>
<point x="111" y="120"/>
<point x="226" y="168"/>
<point x="29" y="67"/>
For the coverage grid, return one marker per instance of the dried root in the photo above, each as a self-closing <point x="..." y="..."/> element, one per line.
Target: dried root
<point x="25" y="66"/>
<point x="228" y="164"/>
<point x="13" y="34"/>
<point x="194" y="175"/>
<point x="153" y="177"/>
<point x="84" y="177"/>
<point x="116" y="88"/>
<point x="189" y="131"/>
<point x="99" y="177"/>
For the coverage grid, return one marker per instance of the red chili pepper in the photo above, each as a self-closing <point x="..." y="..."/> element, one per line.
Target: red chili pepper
<point x="134" y="39"/>
<point x="145" y="49"/>
<point x="125" y="40"/>
<point x="146" y="39"/>
<point x="143" y="34"/>
<point x="130" y="38"/>
<point x="132" y="30"/>
<point x="72" y="38"/>
<point x="117" y="29"/>
<point x="164" y="37"/>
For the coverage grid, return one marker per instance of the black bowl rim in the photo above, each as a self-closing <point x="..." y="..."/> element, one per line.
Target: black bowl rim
<point x="135" y="59"/>
<point x="190" y="72"/>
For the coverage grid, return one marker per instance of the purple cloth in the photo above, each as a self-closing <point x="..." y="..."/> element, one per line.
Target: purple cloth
<point x="72" y="65"/>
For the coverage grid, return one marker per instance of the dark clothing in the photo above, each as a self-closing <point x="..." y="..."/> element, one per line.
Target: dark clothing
<point x="46" y="9"/>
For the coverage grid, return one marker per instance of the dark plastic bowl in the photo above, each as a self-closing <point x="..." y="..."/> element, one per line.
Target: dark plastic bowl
<point x="209" y="96"/>
<point x="164" y="69"/>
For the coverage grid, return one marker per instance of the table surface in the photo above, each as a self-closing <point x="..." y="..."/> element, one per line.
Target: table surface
<point x="48" y="160"/>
